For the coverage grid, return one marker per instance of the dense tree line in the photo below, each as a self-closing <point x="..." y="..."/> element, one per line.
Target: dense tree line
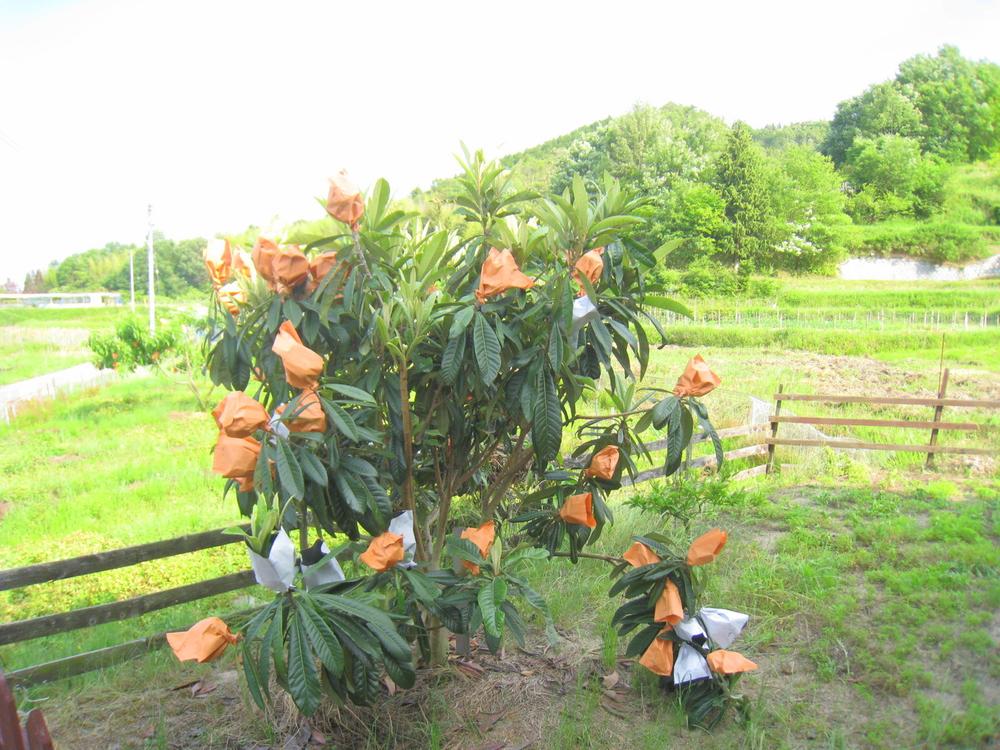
<point x="799" y="197"/>
<point x="179" y="269"/>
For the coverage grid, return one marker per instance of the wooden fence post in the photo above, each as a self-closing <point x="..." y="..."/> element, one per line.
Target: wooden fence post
<point x="942" y="388"/>
<point x="774" y="429"/>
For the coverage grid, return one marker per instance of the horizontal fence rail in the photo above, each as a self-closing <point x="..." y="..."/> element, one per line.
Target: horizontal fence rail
<point x="36" y="627"/>
<point x="118" y="558"/>
<point x="935" y="425"/>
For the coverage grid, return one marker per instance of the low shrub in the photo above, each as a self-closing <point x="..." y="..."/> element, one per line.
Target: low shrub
<point x="131" y="345"/>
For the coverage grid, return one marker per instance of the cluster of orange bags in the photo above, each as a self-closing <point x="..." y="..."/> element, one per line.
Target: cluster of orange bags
<point x="659" y="656"/>
<point x="238" y="417"/>
<point x="286" y="268"/>
<point x="303" y="368"/>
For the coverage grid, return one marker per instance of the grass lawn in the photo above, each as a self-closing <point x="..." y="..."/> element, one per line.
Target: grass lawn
<point x="872" y="587"/>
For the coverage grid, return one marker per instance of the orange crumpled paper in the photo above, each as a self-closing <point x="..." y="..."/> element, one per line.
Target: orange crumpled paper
<point x="729" y="662"/>
<point x="238" y="415"/>
<point x="639" y="554"/>
<point x="591" y="265"/>
<point x="303" y="366"/>
<point x="500" y="273"/>
<point x="707" y="547"/>
<point x="659" y="657"/>
<point x="236" y="458"/>
<point x="309" y="414"/>
<point x="579" y="509"/>
<point x="231" y="296"/>
<point x="218" y="259"/>
<point x="482" y="537"/>
<point x="604" y="463"/>
<point x="263" y="254"/>
<point x="243" y="263"/>
<point x="321" y="265"/>
<point x="204" y="641"/>
<point x="668" y="606"/>
<point x="697" y="379"/>
<point x="344" y="201"/>
<point x="289" y="268"/>
<point x="383" y="552"/>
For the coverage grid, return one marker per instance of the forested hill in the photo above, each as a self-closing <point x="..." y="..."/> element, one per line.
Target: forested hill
<point x="908" y="166"/>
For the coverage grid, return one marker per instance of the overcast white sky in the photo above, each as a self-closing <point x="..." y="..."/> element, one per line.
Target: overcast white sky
<point x="223" y="113"/>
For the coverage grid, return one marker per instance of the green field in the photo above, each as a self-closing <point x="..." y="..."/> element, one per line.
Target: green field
<point x="36" y="341"/>
<point x="872" y="586"/>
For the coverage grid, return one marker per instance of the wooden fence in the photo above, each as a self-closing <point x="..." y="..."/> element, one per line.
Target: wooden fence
<point x="38" y="627"/>
<point x="935" y="425"/>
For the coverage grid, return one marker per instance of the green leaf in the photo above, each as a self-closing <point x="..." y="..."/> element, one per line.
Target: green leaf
<point x="546" y="427"/>
<point x="555" y="348"/>
<point x="313" y="467"/>
<point x="251" y="671"/>
<point x="461" y="322"/>
<point x="491" y="598"/>
<point x="351" y="392"/>
<point x="289" y="471"/>
<point x="451" y="360"/>
<point x="303" y="679"/>
<point x="487" y="349"/>
<point x="322" y="638"/>
<point x="341" y="420"/>
<point x="665" y="303"/>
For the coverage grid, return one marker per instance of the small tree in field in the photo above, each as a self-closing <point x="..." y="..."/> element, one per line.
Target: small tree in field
<point x="399" y="366"/>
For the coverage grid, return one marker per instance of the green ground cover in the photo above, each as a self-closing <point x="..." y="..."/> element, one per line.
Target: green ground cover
<point x="872" y="587"/>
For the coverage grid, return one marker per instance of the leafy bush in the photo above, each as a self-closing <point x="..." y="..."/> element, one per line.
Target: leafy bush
<point x="407" y="366"/>
<point x="131" y="345"/>
<point x="687" y="496"/>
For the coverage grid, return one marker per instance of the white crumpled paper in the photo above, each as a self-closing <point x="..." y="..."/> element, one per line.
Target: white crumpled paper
<point x="723" y="625"/>
<point x="689" y="629"/>
<point x="690" y="665"/>
<point x="584" y="311"/>
<point x="277" y="570"/>
<point x="322" y="574"/>
<point x="403" y="526"/>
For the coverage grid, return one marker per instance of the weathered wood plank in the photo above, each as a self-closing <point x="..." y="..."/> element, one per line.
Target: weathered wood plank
<point x="117" y="558"/>
<point x="753" y="471"/>
<point x="858" y="445"/>
<point x="850" y="421"/>
<point x="958" y="402"/>
<point x="101" y="658"/>
<point x="24" y="630"/>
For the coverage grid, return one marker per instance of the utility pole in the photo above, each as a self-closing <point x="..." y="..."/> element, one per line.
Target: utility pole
<point x="150" y="271"/>
<point x="131" y="277"/>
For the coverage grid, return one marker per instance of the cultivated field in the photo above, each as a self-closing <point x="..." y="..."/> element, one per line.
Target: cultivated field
<point x="872" y="586"/>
